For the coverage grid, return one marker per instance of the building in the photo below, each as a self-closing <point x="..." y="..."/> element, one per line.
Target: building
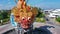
<point x="47" y="12"/>
<point x="54" y="13"/>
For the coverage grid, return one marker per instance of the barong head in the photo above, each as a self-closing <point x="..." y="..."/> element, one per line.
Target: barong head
<point x="24" y="15"/>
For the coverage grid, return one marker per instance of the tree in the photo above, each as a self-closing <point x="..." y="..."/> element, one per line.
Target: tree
<point x="4" y="15"/>
<point x="1" y="16"/>
<point x="40" y="13"/>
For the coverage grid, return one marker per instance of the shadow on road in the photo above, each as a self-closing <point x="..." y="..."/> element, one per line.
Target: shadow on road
<point x="40" y="30"/>
<point x="43" y="30"/>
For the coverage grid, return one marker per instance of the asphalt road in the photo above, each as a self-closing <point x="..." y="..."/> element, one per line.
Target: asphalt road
<point x="41" y="28"/>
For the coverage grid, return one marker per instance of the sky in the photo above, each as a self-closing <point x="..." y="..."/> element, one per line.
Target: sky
<point x="44" y="4"/>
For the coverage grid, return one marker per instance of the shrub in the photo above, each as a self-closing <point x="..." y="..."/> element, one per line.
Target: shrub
<point x="58" y="19"/>
<point x="40" y="20"/>
<point x="5" y="20"/>
<point x="37" y="19"/>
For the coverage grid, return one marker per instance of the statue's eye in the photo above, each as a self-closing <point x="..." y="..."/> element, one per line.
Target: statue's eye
<point x="29" y="18"/>
<point x="23" y="18"/>
<point x="17" y="16"/>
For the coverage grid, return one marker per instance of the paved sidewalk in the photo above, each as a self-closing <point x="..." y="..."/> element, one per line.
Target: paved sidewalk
<point x="5" y="28"/>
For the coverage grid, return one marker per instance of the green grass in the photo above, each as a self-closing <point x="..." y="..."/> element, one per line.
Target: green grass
<point x="58" y="19"/>
<point x="5" y="21"/>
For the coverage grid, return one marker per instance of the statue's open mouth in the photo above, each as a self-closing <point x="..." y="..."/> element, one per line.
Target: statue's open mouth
<point x="25" y="26"/>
